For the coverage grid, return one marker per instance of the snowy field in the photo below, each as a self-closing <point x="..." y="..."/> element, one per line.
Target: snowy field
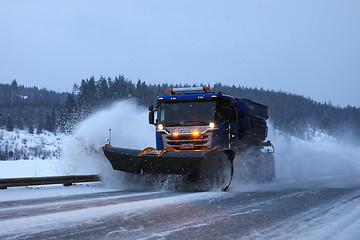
<point x="21" y="144"/>
<point x="30" y="168"/>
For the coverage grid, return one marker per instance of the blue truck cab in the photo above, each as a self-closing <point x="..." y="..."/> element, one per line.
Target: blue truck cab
<point x="197" y="119"/>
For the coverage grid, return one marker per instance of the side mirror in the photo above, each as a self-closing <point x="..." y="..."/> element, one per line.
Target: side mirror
<point x="151" y="108"/>
<point x="151" y="117"/>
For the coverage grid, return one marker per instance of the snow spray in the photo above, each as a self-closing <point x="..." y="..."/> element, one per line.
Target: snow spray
<point x="321" y="160"/>
<point x="82" y="153"/>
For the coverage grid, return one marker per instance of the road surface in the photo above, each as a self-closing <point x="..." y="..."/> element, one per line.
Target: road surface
<point x="317" y="212"/>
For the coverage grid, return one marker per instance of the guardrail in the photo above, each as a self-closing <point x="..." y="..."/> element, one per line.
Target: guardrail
<point x="31" y="181"/>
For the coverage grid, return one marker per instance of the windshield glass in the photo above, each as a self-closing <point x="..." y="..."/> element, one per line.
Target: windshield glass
<point x="187" y="113"/>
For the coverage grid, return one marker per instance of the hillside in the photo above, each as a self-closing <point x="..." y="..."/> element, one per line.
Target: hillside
<point x="29" y="108"/>
<point x="40" y="112"/>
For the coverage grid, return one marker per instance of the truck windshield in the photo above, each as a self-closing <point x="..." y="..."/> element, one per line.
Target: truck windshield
<point x="187" y="113"/>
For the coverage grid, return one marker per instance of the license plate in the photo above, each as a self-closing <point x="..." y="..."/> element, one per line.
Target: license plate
<point x="187" y="146"/>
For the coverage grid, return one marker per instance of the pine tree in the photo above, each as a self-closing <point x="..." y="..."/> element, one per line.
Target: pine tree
<point x="9" y="124"/>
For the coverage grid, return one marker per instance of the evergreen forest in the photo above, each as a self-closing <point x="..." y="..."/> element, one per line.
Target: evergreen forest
<point x="36" y="110"/>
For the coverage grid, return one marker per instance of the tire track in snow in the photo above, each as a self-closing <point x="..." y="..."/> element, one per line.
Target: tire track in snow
<point x="16" y="209"/>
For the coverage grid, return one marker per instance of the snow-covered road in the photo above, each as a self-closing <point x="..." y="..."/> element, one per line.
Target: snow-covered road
<point x="95" y="212"/>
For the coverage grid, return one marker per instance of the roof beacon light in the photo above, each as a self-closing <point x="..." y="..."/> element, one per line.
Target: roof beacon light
<point x="188" y="90"/>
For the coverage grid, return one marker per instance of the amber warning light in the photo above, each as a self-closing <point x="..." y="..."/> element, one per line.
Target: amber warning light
<point x="196" y="133"/>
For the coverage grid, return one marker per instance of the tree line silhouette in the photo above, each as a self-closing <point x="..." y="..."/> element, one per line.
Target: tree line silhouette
<point x="37" y="109"/>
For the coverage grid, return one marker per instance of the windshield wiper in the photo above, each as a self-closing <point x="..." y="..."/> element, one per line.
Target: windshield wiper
<point x="184" y="123"/>
<point x="197" y="122"/>
<point x="170" y="123"/>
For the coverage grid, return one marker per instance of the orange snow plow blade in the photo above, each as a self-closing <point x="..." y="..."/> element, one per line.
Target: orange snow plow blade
<point x="215" y="165"/>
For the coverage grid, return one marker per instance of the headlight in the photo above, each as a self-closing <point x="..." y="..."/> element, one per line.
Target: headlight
<point x="196" y="133"/>
<point x="212" y="125"/>
<point x="160" y="127"/>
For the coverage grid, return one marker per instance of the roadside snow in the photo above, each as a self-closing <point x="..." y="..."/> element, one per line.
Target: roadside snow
<point x="20" y="144"/>
<point x="41" y="168"/>
<point x="30" y="168"/>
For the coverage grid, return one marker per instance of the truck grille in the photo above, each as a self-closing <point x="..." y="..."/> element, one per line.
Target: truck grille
<point x="200" y="142"/>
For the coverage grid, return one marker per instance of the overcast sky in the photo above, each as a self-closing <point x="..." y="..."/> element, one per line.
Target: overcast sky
<point x="307" y="47"/>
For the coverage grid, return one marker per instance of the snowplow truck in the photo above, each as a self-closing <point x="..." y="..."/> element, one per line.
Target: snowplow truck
<point x="198" y="134"/>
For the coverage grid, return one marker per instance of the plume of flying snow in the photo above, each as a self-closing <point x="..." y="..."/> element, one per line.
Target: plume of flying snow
<point x="82" y="152"/>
